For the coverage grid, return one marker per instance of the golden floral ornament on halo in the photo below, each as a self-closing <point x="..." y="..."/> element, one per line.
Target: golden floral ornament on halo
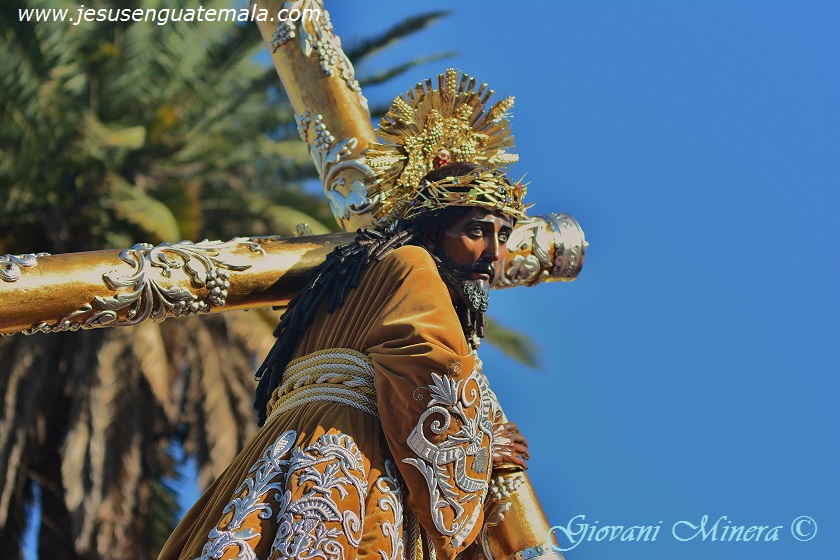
<point x="430" y="127"/>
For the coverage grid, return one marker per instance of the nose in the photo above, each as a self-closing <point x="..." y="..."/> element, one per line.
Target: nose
<point x="493" y="249"/>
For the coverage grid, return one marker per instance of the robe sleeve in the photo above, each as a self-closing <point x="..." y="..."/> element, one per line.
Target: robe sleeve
<point x="434" y="404"/>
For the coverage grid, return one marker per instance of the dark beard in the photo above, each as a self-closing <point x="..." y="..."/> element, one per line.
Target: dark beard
<point x="473" y="295"/>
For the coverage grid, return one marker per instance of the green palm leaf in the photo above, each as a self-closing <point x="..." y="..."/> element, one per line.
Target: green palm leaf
<point x="370" y="46"/>
<point x="385" y="75"/>
<point x="151" y="216"/>
<point x="511" y="343"/>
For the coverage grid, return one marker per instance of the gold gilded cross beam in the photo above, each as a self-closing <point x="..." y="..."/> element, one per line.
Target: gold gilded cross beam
<point x="51" y="293"/>
<point x="118" y="288"/>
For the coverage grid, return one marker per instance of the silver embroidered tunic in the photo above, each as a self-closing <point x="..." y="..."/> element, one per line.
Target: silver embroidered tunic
<point x="380" y="434"/>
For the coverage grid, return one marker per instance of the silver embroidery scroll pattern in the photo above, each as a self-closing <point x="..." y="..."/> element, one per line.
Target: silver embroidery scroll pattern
<point x="489" y="401"/>
<point x="449" y="403"/>
<point x="392" y="501"/>
<point x="310" y="526"/>
<point x="261" y="480"/>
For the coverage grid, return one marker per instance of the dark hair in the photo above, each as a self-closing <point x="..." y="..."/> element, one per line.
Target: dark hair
<point x="440" y="217"/>
<point x="335" y="277"/>
<point x="457" y="169"/>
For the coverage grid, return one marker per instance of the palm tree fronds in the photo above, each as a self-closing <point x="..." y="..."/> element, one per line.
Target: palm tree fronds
<point x="160" y="511"/>
<point x="149" y="351"/>
<point x="283" y="220"/>
<point x="98" y="137"/>
<point x="511" y="343"/>
<point x="368" y="47"/>
<point x="385" y="75"/>
<point x="253" y="329"/>
<point x="141" y="210"/>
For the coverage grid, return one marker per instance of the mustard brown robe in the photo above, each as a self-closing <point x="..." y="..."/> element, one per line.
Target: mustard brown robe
<point x="327" y="480"/>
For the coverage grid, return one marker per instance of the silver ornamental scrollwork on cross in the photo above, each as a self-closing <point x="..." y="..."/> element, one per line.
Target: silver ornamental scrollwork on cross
<point x="543" y="248"/>
<point x="321" y="40"/>
<point x="147" y="297"/>
<point x="10" y="265"/>
<point x="331" y="160"/>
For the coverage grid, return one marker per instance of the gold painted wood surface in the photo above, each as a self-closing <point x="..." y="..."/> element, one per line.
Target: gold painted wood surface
<point x="515" y="527"/>
<point x="48" y="293"/>
<point x="523" y="531"/>
<point x="330" y="110"/>
<point x="111" y="288"/>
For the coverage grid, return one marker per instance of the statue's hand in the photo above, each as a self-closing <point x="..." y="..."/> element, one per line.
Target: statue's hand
<point x="509" y="446"/>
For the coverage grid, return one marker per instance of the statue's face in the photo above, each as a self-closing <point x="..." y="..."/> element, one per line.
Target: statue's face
<point x="475" y="243"/>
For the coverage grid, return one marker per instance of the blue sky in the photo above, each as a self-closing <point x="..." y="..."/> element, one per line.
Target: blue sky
<point x="689" y="371"/>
